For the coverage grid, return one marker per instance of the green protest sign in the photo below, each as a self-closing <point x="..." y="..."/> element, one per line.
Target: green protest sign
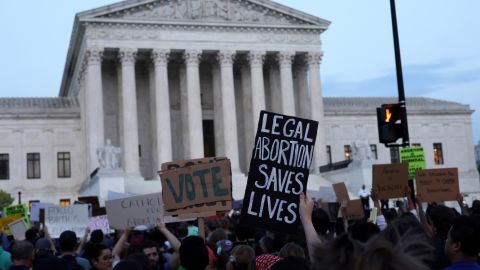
<point x="415" y="157"/>
<point x="20" y="209"/>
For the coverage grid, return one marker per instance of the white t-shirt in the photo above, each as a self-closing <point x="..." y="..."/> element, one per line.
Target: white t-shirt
<point x="363" y="193"/>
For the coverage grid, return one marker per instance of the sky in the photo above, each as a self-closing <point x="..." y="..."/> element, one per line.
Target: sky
<point x="439" y="41"/>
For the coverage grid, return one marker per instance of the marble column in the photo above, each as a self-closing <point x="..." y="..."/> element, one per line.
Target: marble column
<point x="316" y="105"/>
<point x="194" y="105"/>
<point x="286" y="82"/>
<point x="129" y="111"/>
<point x="225" y="59"/>
<point x="94" y="105"/>
<point x="303" y="101"/>
<point x="163" y="135"/>
<point x="256" y="59"/>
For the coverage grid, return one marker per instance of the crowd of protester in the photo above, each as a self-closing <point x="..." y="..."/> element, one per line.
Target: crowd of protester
<point x="403" y="238"/>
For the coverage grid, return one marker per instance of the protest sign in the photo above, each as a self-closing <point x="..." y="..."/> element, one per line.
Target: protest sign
<point x="174" y="169"/>
<point x="390" y="180"/>
<point x="341" y="192"/>
<point x="18" y="229"/>
<point x="35" y="210"/>
<point x="20" y="209"/>
<point x="134" y="211"/>
<point x="7" y="220"/>
<point x="99" y="223"/>
<point x="61" y="218"/>
<point x="355" y="210"/>
<point x="188" y="162"/>
<point x="415" y="158"/>
<point x="279" y="169"/>
<point x="437" y="185"/>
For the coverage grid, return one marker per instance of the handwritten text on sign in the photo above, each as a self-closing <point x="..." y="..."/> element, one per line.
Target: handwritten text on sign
<point x="415" y="158"/>
<point x="438" y="185"/>
<point x="61" y="218"/>
<point x="281" y="159"/>
<point x="19" y="209"/>
<point x="200" y="183"/>
<point x="390" y="180"/>
<point x="134" y="211"/>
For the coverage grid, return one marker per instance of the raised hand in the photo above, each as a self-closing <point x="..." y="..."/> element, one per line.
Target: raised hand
<point x="305" y="208"/>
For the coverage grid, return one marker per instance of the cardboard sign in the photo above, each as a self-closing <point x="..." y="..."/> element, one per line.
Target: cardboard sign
<point x="61" y="218"/>
<point x="99" y="223"/>
<point x="438" y="185"/>
<point x="196" y="186"/>
<point x="355" y="210"/>
<point x="20" y="209"/>
<point x="188" y="162"/>
<point x="415" y="158"/>
<point x="7" y="220"/>
<point x="18" y="229"/>
<point x="279" y="169"/>
<point x="390" y="180"/>
<point x="134" y="211"/>
<point x="200" y="209"/>
<point x="341" y="192"/>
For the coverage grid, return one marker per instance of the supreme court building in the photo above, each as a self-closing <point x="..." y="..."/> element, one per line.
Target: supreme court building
<point x="179" y="79"/>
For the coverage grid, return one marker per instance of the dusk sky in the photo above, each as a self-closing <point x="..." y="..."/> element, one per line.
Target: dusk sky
<point x="439" y="40"/>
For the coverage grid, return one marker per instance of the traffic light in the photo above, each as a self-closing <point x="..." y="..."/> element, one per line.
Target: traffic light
<point x="390" y="128"/>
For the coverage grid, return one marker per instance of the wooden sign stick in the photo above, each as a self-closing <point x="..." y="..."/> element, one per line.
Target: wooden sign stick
<point x="201" y="227"/>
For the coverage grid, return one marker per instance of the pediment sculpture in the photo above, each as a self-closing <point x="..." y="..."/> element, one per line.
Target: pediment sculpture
<point x="207" y="10"/>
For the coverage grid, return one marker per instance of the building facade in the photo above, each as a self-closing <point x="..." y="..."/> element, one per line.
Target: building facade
<point x="179" y="79"/>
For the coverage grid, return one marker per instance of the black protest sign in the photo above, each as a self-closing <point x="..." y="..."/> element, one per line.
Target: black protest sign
<point x="279" y="168"/>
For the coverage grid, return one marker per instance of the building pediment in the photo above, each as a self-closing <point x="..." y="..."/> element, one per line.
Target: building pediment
<point x="253" y="12"/>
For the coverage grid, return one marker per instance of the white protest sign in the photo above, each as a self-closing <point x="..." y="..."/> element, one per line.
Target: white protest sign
<point x="35" y="210"/>
<point x="62" y="218"/>
<point x="99" y="223"/>
<point x="18" y="229"/>
<point x="134" y="211"/>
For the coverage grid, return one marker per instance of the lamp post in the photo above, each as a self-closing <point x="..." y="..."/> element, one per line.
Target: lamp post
<point x="398" y="63"/>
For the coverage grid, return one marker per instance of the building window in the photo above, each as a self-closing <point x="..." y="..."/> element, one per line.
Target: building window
<point x="373" y="148"/>
<point x="329" y="154"/>
<point x="63" y="164"/>
<point x="437" y="153"/>
<point x="394" y="155"/>
<point x="33" y="165"/>
<point x="4" y="167"/>
<point x="347" y="150"/>
<point x="64" y="202"/>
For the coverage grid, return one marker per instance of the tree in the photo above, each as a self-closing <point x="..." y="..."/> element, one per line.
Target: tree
<point x="5" y="199"/>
